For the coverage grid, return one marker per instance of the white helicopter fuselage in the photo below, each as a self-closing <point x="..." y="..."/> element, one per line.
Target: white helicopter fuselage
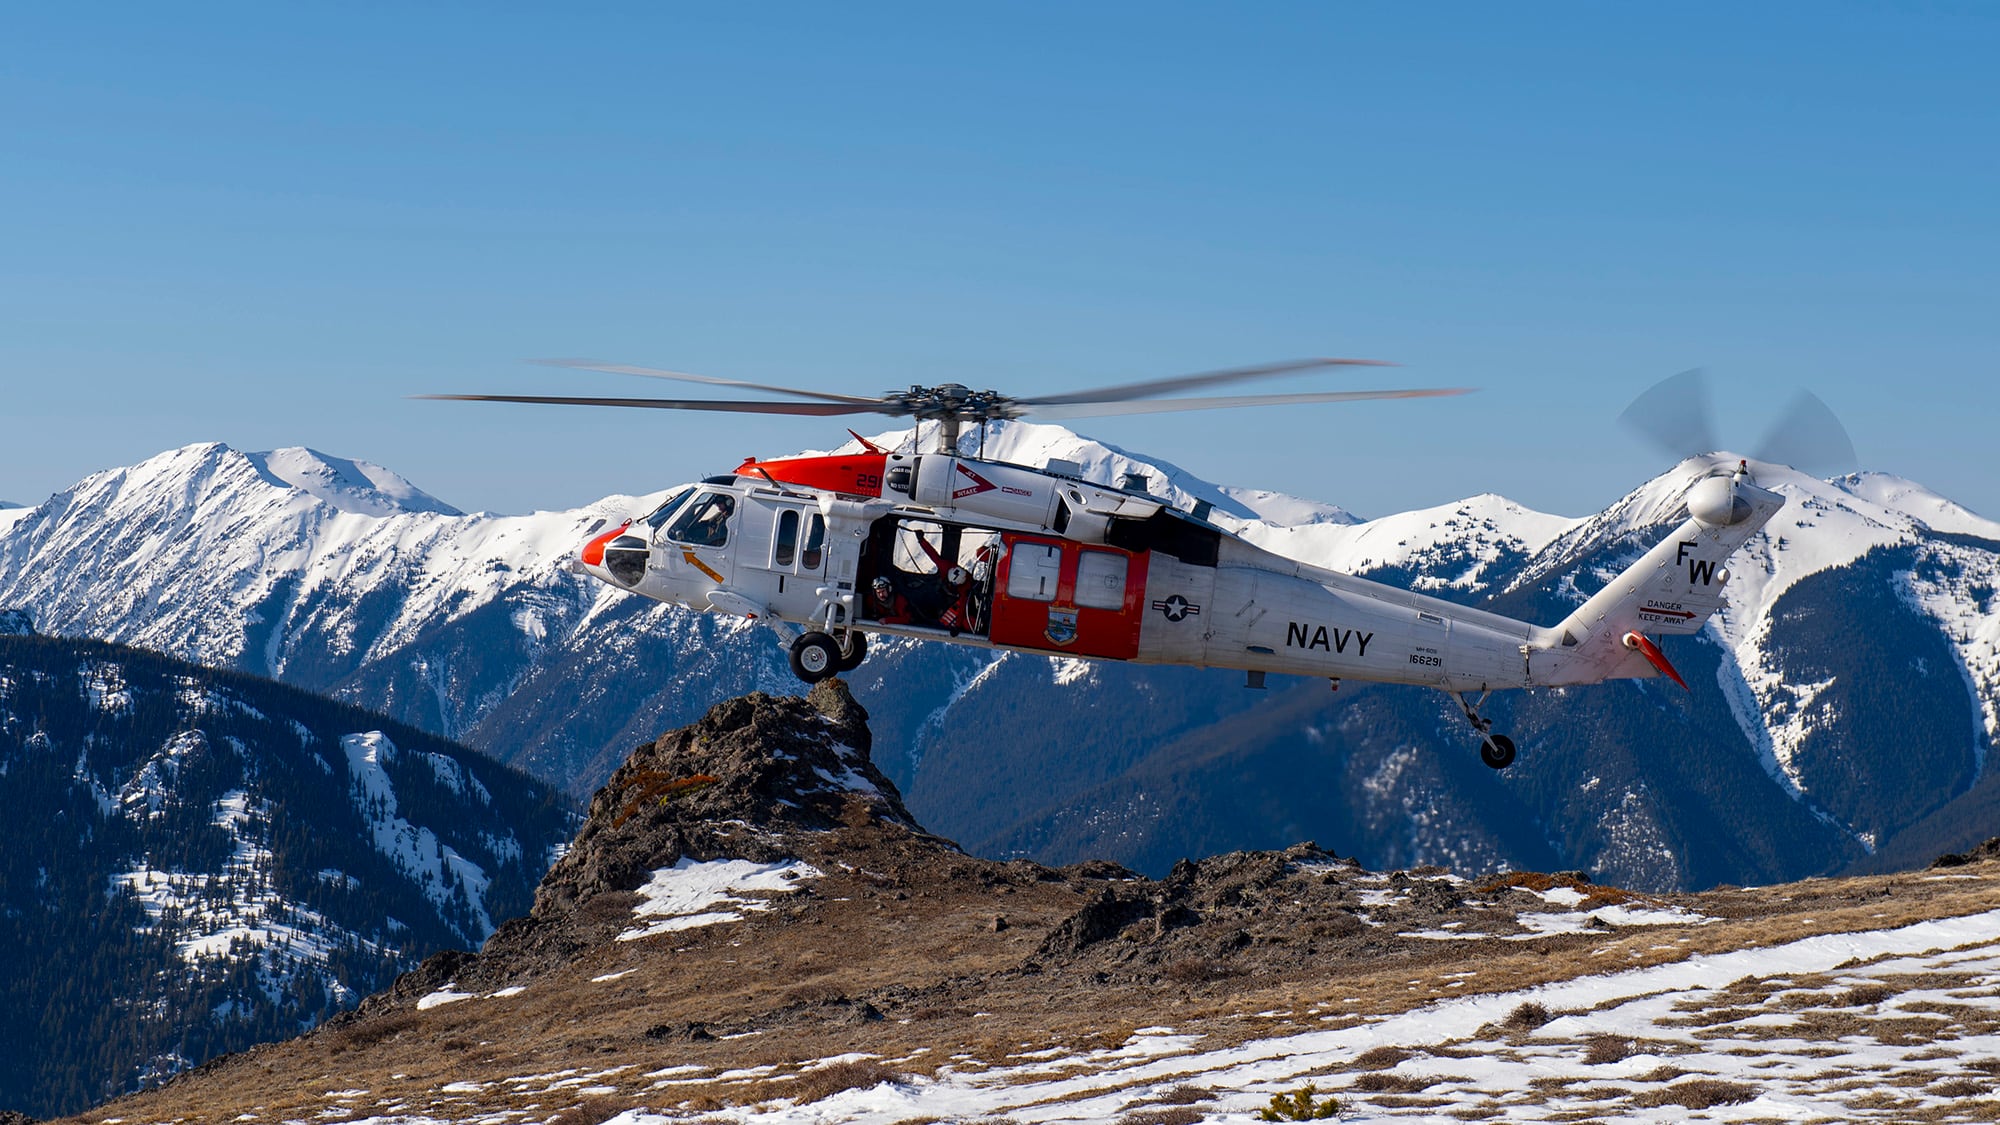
<point x="1080" y="569"/>
<point x="829" y="549"/>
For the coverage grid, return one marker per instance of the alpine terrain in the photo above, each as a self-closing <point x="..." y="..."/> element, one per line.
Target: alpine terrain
<point x="195" y="861"/>
<point x="752" y="927"/>
<point x="1840" y="720"/>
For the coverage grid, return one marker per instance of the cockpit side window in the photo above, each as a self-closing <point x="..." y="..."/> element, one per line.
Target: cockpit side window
<point x="706" y="521"/>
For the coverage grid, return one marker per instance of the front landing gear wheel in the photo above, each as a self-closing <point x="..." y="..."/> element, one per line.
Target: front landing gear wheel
<point x="854" y="653"/>
<point x="1497" y="751"/>
<point x="815" y="657"/>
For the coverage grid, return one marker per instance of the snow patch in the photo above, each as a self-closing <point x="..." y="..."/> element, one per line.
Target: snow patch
<point x="1065" y="670"/>
<point x="447" y="878"/>
<point x="146" y="794"/>
<point x="104" y="685"/>
<point x="694" y="893"/>
<point x="442" y="997"/>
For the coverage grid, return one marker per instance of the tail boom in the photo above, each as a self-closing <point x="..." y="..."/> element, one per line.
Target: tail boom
<point x="1671" y="589"/>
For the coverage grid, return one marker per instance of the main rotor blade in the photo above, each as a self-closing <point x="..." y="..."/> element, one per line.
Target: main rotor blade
<point x="1673" y="415"/>
<point x="814" y="409"/>
<point x="1152" y="387"/>
<point x="685" y="377"/>
<point x="1169" y="405"/>
<point x="1809" y="438"/>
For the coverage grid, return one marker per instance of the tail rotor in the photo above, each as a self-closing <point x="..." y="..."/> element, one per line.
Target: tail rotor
<point x="1674" y="415"/>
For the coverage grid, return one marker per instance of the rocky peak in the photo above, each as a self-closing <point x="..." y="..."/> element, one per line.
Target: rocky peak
<point x="780" y="764"/>
<point x="755" y="779"/>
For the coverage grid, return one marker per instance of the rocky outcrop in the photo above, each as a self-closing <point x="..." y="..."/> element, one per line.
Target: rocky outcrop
<point x="1988" y="850"/>
<point x="769" y="780"/>
<point x="756" y="778"/>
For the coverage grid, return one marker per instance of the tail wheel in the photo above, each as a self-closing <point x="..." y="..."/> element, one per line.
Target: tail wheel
<point x="1497" y="751"/>
<point x="854" y="652"/>
<point x="815" y="657"/>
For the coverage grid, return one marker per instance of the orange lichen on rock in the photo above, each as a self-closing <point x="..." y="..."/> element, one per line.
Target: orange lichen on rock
<point x="646" y="785"/>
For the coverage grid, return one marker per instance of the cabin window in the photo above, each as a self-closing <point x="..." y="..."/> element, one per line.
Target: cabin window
<point x="1100" y="580"/>
<point x="706" y="523"/>
<point x="815" y="543"/>
<point x="786" y="543"/>
<point x="1033" y="571"/>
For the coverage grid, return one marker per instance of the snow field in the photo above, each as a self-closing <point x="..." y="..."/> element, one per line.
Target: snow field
<point x="1889" y="1025"/>
<point x="1686" y="1021"/>
<point x="252" y="536"/>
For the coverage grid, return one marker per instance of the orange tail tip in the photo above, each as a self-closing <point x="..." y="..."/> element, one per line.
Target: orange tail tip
<point x="1656" y="658"/>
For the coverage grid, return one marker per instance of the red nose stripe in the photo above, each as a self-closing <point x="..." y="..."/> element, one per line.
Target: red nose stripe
<point x="593" y="551"/>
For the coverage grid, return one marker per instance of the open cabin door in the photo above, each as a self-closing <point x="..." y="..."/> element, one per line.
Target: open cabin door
<point x="1059" y="596"/>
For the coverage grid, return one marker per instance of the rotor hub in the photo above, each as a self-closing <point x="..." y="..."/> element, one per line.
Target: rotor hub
<point x="951" y="402"/>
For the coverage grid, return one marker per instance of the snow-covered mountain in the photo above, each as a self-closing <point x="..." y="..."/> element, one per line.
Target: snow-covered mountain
<point x="201" y="860"/>
<point x="255" y="560"/>
<point x="1935" y="558"/>
<point x="1843" y="706"/>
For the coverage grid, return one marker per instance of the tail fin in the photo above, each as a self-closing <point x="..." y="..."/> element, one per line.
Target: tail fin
<point x="1673" y="588"/>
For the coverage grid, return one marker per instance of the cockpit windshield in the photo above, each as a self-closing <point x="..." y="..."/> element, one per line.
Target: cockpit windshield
<point x="658" y="517"/>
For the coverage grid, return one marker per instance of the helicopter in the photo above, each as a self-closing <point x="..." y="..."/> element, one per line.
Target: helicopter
<point x="945" y="545"/>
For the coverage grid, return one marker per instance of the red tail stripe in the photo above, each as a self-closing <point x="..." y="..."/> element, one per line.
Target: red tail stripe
<point x="1656" y="658"/>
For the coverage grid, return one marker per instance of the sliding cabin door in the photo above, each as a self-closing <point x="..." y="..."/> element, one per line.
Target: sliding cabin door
<point x="1065" y="597"/>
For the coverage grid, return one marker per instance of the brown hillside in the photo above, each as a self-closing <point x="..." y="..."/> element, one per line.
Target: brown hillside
<point x="903" y="948"/>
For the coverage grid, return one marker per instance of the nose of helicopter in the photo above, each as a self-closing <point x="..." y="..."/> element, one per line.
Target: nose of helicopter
<point x="615" y="556"/>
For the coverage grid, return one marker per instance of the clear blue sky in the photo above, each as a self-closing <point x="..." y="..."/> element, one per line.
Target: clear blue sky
<point x="265" y="224"/>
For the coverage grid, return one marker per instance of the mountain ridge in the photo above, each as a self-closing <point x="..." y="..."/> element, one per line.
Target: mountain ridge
<point x="207" y="860"/>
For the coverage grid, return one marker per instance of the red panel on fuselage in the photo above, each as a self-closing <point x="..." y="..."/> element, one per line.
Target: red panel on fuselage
<point x="856" y="474"/>
<point x="1090" y="631"/>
